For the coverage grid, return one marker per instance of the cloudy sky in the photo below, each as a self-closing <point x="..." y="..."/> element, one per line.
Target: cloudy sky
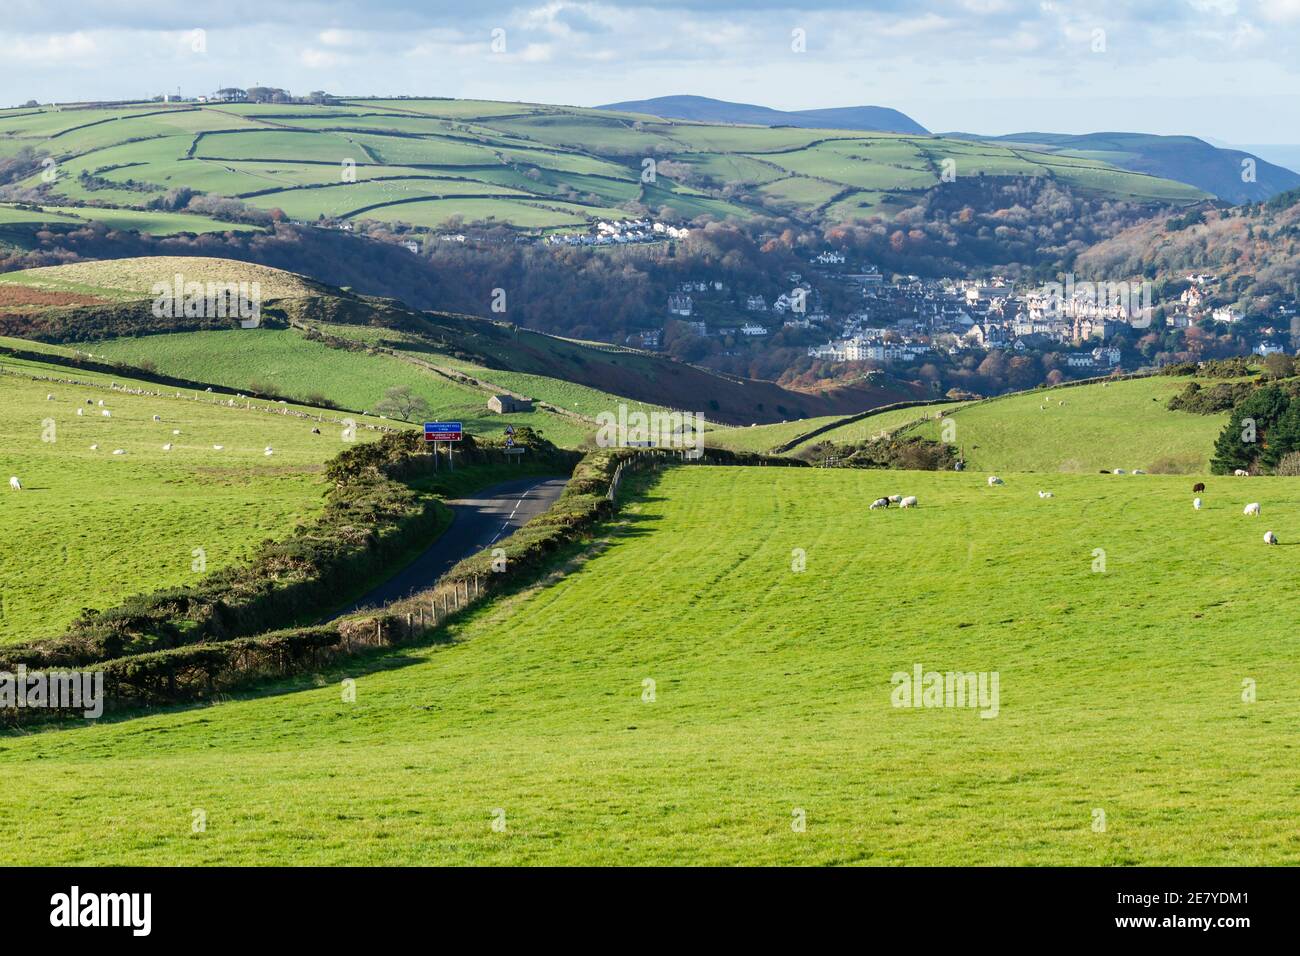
<point x="1225" y="69"/>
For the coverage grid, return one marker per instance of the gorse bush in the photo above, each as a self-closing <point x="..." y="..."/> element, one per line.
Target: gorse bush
<point x="910" y="454"/>
<point x="1209" y="401"/>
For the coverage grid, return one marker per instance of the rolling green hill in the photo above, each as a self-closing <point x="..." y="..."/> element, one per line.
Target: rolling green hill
<point x="1219" y="172"/>
<point x="90" y="527"/>
<point x="296" y="367"/>
<point x="1086" y="428"/>
<point x="433" y="163"/>
<point x="685" y="696"/>
<point x="457" y="360"/>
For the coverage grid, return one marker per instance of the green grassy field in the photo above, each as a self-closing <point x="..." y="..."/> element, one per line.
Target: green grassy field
<point x="299" y="368"/>
<point x="128" y="280"/>
<point x="1120" y="691"/>
<point x="266" y="154"/>
<point x="90" y="528"/>
<point x="881" y="423"/>
<point x="768" y="437"/>
<point x="145" y="221"/>
<point x="1086" y="428"/>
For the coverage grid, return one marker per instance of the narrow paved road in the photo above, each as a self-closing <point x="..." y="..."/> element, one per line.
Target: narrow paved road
<point x="477" y="523"/>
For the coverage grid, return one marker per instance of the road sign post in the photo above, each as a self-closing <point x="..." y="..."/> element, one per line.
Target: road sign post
<point x="448" y="432"/>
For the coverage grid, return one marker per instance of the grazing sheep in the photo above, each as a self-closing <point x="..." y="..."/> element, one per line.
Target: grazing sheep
<point x="1198" y="487"/>
<point x="879" y="503"/>
<point x="1196" y="503"/>
<point x="101" y="403"/>
<point x="1251" y="509"/>
<point x="895" y="499"/>
<point x="908" y="502"/>
<point x="94" y="448"/>
<point x="315" y="431"/>
<point x="1138" y="471"/>
<point x="15" y="484"/>
<point x="176" y="431"/>
<point x="1241" y="473"/>
<point x="218" y="447"/>
<point x="106" y="413"/>
<point x="1118" y="471"/>
<point x="167" y="447"/>
<point x="994" y="480"/>
<point x="1044" y="494"/>
<point x="1270" y="537"/>
<point x="49" y="398"/>
<point x="119" y="451"/>
<point x="157" y="419"/>
<point x="1105" y="471"/>
<point x="269" y="451"/>
<point x="79" y="411"/>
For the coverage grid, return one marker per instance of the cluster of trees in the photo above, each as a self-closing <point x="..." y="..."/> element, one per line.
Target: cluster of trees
<point x="909" y="454"/>
<point x="1262" y="434"/>
<point x="22" y="163"/>
<point x="1253" y="250"/>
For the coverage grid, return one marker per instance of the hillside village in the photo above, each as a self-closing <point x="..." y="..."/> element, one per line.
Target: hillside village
<point x="908" y="319"/>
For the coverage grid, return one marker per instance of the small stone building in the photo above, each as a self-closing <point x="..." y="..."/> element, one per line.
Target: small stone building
<point x="501" y="404"/>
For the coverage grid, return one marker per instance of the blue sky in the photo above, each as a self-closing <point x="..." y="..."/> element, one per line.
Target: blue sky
<point x="1227" y="69"/>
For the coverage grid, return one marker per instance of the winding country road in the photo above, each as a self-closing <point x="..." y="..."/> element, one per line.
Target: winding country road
<point x="477" y="523"/>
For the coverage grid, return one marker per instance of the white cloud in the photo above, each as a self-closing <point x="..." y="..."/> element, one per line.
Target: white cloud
<point x="1279" y="11"/>
<point x="50" y="48"/>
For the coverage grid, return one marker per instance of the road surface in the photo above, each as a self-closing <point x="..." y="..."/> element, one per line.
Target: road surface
<point x="477" y="523"/>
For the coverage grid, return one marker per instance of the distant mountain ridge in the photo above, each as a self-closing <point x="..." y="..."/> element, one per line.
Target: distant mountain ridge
<point x="1186" y="159"/>
<point x="876" y="119"/>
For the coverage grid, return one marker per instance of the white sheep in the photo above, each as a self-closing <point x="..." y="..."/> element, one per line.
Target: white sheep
<point x="908" y="502"/>
<point x="79" y="411"/>
<point x="1044" y="494"/>
<point x="49" y="398"/>
<point x="994" y="480"/>
<point x="94" y="448"/>
<point x="15" y="484"/>
<point x="1251" y="509"/>
<point x="1196" y="503"/>
<point x="1241" y="473"/>
<point x="157" y="418"/>
<point x="167" y="447"/>
<point x="176" y="431"/>
<point x="1119" y="471"/>
<point x="895" y="499"/>
<point x="1138" y="471"/>
<point x="106" y="413"/>
<point x="269" y="451"/>
<point x="101" y="403"/>
<point x="119" y="451"/>
<point x="218" y="447"/>
<point x="1270" y="537"/>
<point x="879" y="503"/>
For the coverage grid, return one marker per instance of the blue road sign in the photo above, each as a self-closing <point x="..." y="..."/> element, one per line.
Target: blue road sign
<point x="442" y="431"/>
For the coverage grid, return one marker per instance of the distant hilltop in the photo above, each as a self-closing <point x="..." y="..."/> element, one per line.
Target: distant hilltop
<point x="879" y="119"/>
